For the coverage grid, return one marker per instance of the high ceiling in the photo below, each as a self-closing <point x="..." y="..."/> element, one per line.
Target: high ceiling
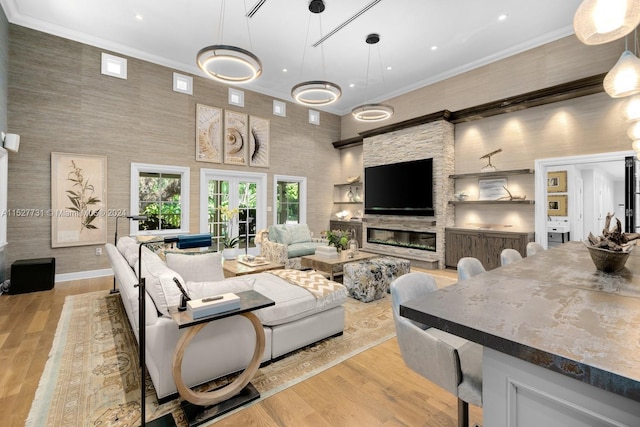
<point x="467" y="34"/>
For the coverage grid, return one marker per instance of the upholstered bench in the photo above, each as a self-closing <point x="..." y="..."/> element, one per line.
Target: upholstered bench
<point x="369" y="280"/>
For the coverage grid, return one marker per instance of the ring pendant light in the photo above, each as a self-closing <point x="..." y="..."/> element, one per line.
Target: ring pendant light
<point x="372" y="112"/>
<point x="315" y="93"/>
<point x="229" y="64"/>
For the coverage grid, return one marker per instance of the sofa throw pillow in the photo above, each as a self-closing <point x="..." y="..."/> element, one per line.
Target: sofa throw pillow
<point x="197" y="290"/>
<point x="196" y="267"/>
<point x="278" y="234"/>
<point x="298" y="233"/>
<point x="159" y="282"/>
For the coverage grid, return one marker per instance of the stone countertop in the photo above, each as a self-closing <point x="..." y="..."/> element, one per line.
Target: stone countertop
<point x="555" y="310"/>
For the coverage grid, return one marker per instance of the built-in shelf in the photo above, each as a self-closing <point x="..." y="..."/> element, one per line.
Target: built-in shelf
<point x="343" y="200"/>
<point x="492" y="174"/>
<point x="491" y="202"/>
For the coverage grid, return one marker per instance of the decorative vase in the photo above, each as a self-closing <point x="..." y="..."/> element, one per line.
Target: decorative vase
<point x="229" y="253"/>
<point x="350" y="195"/>
<point x="357" y="197"/>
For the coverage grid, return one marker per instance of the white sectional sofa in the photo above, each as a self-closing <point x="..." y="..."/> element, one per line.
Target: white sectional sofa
<point x="298" y="318"/>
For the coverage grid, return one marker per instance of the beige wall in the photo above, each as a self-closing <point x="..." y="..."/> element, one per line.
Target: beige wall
<point x="59" y="101"/>
<point x="561" y="61"/>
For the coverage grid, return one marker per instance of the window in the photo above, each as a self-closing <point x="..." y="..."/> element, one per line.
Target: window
<point x="290" y="194"/>
<point x="162" y="194"/>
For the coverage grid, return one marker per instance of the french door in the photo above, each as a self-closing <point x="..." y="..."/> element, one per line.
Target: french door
<point x="632" y="194"/>
<point x="241" y="193"/>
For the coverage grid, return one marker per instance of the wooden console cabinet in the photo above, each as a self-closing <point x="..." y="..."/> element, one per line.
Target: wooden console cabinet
<point x="485" y="245"/>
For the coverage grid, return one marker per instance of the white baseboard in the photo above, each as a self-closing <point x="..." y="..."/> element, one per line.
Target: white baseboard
<point x="79" y="275"/>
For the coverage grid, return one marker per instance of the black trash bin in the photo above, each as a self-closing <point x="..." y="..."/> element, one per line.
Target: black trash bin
<point x="31" y="275"/>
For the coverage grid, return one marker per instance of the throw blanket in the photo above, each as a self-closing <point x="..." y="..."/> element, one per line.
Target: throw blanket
<point x="314" y="282"/>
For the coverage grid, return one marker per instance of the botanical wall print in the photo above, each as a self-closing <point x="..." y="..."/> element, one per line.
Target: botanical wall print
<point x="259" y="142"/>
<point x="236" y="143"/>
<point x="78" y="200"/>
<point x="557" y="182"/>
<point x="208" y="134"/>
<point x="557" y="205"/>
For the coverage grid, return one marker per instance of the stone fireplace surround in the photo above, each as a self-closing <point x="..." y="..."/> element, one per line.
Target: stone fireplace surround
<point x="429" y="140"/>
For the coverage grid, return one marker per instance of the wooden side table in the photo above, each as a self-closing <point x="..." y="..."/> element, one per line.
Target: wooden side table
<point x="234" y="268"/>
<point x="199" y="407"/>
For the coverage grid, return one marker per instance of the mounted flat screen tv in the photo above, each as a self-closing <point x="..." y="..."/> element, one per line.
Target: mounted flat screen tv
<point x="399" y="189"/>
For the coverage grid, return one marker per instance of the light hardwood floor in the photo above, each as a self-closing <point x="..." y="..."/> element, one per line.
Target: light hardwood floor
<point x="373" y="388"/>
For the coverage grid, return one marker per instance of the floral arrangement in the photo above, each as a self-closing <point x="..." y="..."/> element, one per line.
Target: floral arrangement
<point x="228" y="215"/>
<point x="338" y="238"/>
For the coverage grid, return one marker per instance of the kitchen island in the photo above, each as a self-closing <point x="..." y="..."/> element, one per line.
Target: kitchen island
<point x="561" y="339"/>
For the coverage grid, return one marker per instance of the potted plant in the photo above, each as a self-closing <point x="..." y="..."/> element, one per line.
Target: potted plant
<point x="338" y="238"/>
<point x="229" y="243"/>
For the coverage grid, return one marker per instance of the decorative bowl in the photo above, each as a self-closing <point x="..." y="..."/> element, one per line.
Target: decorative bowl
<point x="606" y="260"/>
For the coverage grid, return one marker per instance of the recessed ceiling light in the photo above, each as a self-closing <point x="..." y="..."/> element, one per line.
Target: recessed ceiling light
<point x="139" y="17"/>
<point x="352" y="85"/>
<point x="389" y="68"/>
<point x="284" y="70"/>
<point x="502" y="17"/>
<point x="434" y="47"/>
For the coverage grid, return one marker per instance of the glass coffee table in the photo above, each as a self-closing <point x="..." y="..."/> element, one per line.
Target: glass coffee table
<point x="333" y="266"/>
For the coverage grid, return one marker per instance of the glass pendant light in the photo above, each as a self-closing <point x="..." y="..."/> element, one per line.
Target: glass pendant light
<point x="633" y="131"/>
<point x="315" y="92"/>
<point x="371" y="112"/>
<point x="602" y="21"/>
<point x="624" y="78"/>
<point x="631" y="108"/>
<point x="228" y="64"/>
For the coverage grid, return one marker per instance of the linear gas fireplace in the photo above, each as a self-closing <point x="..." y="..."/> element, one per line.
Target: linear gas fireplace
<point x="421" y="240"/>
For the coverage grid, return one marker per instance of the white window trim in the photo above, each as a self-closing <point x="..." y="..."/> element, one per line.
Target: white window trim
<point x="4" y="167"/>
<point x="208" y="174"/>
<point x="302" y="180"/>
<point x="184" y="172"/>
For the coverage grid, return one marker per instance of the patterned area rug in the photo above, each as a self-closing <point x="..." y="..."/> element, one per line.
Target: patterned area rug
<point x="92" y="374"/>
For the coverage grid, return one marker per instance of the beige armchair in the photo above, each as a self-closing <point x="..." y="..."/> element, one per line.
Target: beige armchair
<point x="287" y="243"/>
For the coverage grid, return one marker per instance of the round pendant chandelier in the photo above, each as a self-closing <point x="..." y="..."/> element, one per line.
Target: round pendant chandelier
<point x="372" y="112"/>
<point x="226" y="63"/>
<point x="315" y="93"/>
<point x="229" y="64"/>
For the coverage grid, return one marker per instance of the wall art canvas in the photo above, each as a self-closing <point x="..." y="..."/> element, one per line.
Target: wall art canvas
<point x="78" y="200"/>
<point x="208" y="134"/>
<point x="492" y="189"/>
<point x="236" y="143"/>
<point x="259" y="141"/>
<point x="557" y="205"/>
<point x="557" y="182"/>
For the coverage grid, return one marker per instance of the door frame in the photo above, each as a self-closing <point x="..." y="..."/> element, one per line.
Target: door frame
<point x="541" y="166"/>
<point x="261" y="203"/>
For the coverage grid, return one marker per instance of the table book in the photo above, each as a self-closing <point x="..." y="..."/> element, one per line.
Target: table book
<point x="199" y="308"/>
